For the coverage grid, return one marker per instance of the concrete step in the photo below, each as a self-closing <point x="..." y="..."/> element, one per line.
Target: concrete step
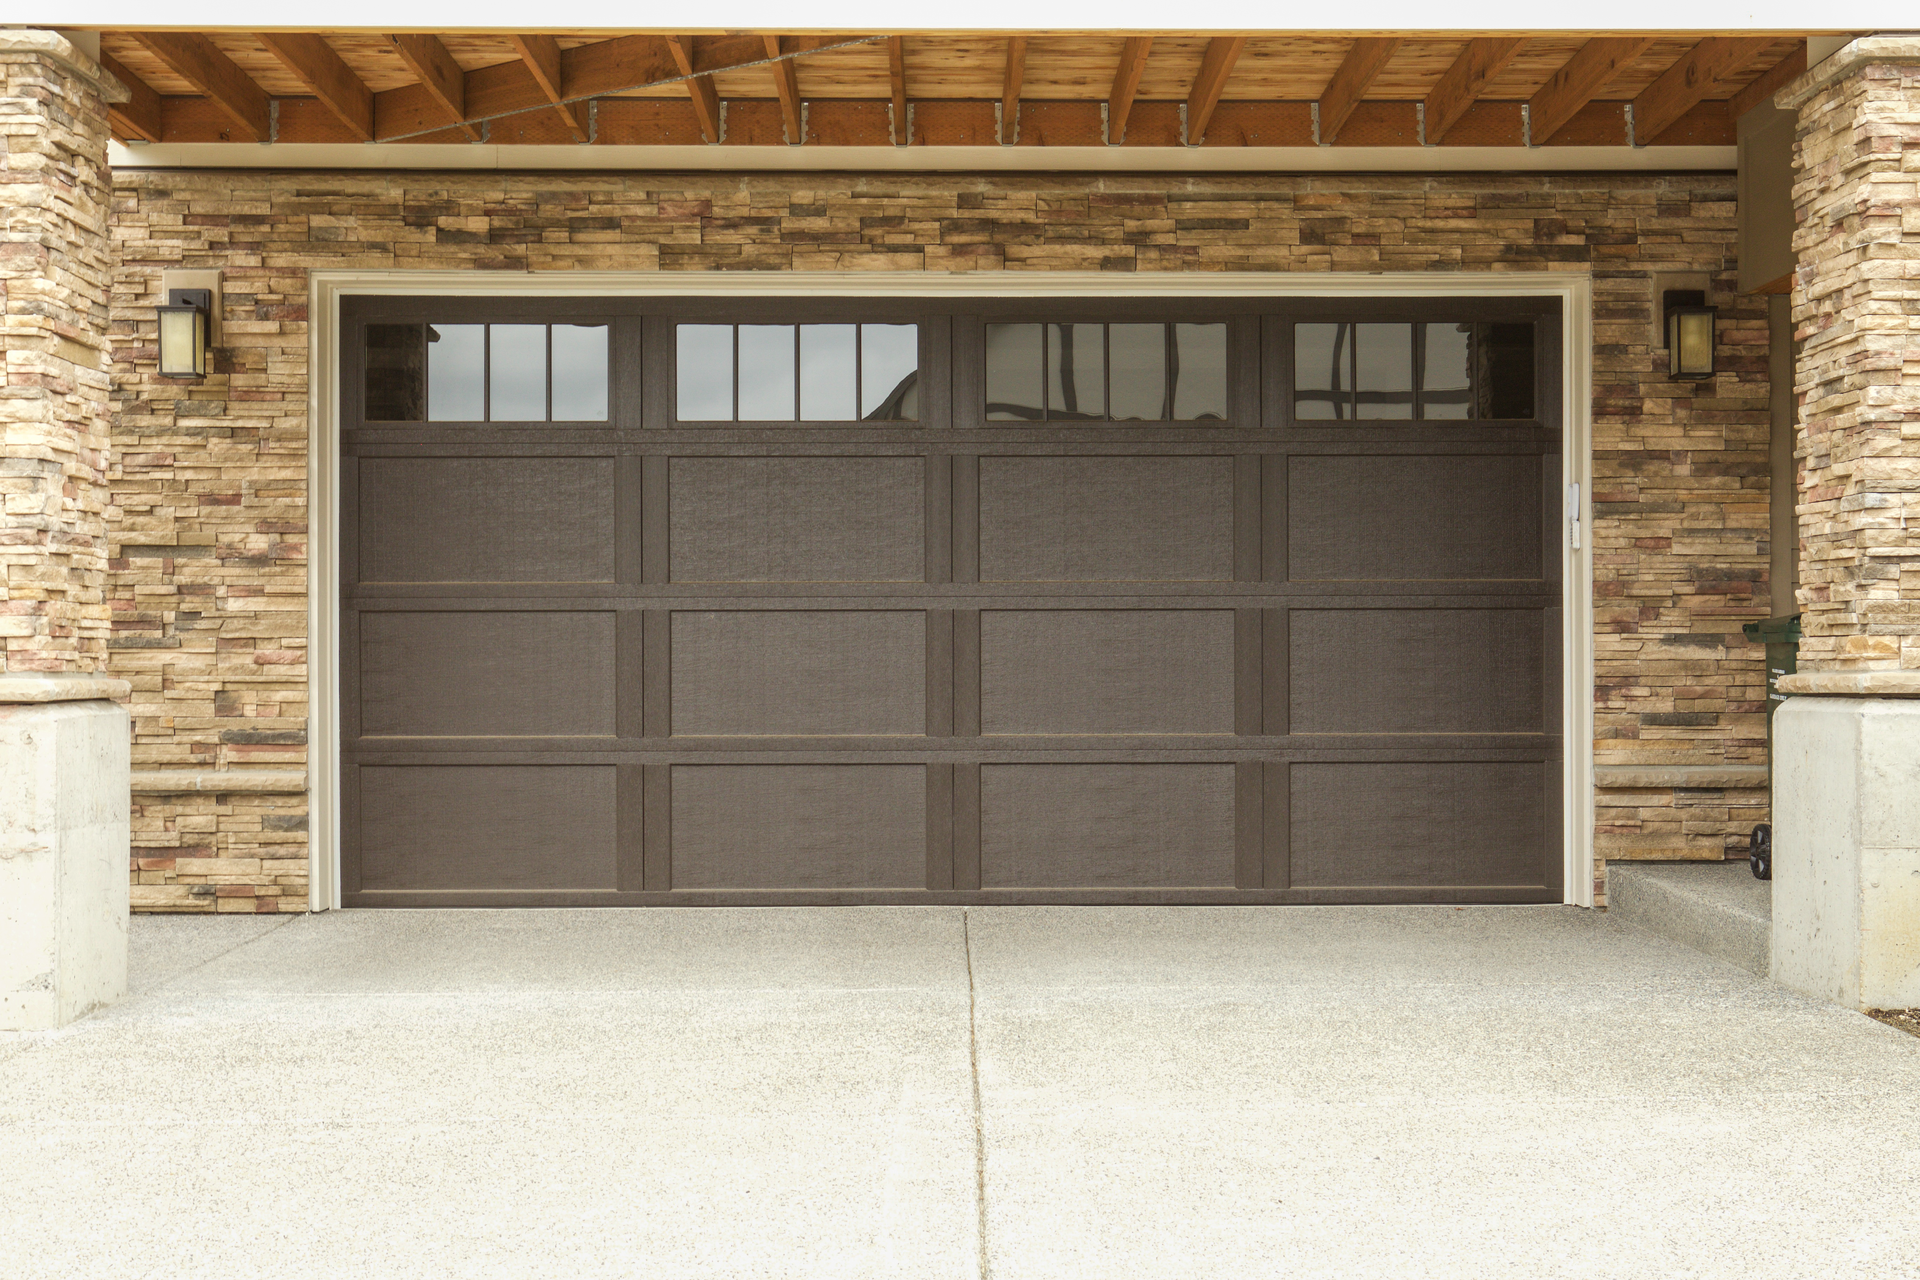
<point x="1715" y="907"/>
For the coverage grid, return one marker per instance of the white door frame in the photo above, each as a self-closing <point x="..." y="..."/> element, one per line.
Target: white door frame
<point x="327" y="288"/>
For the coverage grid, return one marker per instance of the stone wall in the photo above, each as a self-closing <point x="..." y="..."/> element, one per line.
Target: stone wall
<point x="208" y="578"/>
<point x="1856" y="310"/>
<point x="54" y="417"/>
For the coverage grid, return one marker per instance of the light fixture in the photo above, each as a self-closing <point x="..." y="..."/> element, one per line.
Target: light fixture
<point x="1690" y="324"/>
<point x="184" y="333"/>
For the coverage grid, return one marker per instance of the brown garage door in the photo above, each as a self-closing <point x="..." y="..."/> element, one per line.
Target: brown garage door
<point x="681" y="601"/>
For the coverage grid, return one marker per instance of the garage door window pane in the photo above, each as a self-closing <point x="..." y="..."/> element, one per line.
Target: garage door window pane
<point x="396" y="383"/>
<point x="1322" y="371"/>
<point x="1446" y="374"/>
<point x="1076" y="371"/>
<point x="456" y="372"/>
<point x="1139" y="357"/>
<point x="766" y="372"/>
<point x="579" y="373"/>
<point x="1504" y="362"/>
<point x="1383" y="370"/>
<point x="703" y="372"/>
<point x="1015" y="371"/>
<point x="890" y="372"/>
<point x="1197" y="368"/>
<point x="517" y="372"/>
<point x="829" y="364"/>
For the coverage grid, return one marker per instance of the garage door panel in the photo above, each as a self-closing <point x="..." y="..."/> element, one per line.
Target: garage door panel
<point x="486" y="674"/>
<point x="848" y="826"/>
<point x="1415" y="670"/>
<point x="1417" y="824"/>
<point x="1106" y="825"/>
<point x="1099" y="671"/>
<point x="1408" y="516"/>
<point x="1106" y="519"/>
<point x="787" y="672"/>
<point x="797" y="519"/>
<point x="488" y="519"/>
<point x="487" y="827"/>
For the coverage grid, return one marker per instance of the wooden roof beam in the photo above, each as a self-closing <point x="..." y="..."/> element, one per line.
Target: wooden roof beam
<point x="1126" y="83"/>
<point x="314" y="63"/>
<point x="700" y="88"/>
<point x="1011" y="80"/>
<point x="1689" y="80"/>
<point x="139" y="116"/>
<point x="1461" y="84"/>
<point x="1363" y="64"/>
<point x="541" y="54"/>
<point x="439" y="75"/>
<point x="897" y="85"/>
<point x="1215" y="67"/>
<point x="1594" y="66"/>
<point x="199" y="62"/>
<point x="1791" y="67"/>
<point x="786" y="84"/>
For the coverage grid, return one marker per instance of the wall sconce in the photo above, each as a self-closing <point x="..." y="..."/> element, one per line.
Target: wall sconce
<point x="185" y="333"/>
<point x="1690" y="323"/>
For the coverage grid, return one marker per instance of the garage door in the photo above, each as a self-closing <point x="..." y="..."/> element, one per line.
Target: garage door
<point x="684" y="601"/>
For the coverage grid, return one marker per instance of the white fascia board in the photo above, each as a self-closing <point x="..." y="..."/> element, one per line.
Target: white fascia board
<point x="480" y="157"/>
<point x="1103" y="16"/>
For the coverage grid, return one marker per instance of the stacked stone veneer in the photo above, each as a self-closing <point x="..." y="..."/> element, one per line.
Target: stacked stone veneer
<point x="1856" y="308"/>
<point x="55" y="273"/>
<point x="208" y="579"/>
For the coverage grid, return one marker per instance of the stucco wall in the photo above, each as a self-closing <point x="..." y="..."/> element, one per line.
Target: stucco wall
<point x="208" y="576"/>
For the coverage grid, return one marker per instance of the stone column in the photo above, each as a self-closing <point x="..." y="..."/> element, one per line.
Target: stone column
<point x="63" y="742"/>
<point x="1846" y="890"/>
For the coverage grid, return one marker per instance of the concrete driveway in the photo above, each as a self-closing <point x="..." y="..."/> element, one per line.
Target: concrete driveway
<point x="1007" y="1092"/>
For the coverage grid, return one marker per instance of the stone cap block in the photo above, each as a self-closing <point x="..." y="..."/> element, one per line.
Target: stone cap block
<point x="162" y="781"/>
<point x="1632" y="776"/>
<point x="1857" y="54"/>
<point x="53" y="686"/>
<point x="1853" y="684"/>
<point x="53" y="45"/>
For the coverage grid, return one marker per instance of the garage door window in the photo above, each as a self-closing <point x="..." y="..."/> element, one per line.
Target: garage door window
<point x="797" y="372"/>
<point x="1106" y="372"/>
<point x="486" y="372"/>
<point x="1430" y="371"/>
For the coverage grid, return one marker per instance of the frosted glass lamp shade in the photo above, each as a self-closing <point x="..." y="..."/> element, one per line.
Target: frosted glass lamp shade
<point x="183" y="342"/>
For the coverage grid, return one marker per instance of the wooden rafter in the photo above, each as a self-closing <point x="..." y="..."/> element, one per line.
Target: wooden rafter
<point x="1597" y="64"/>
<point x="541" y="54"/>
<point x="786" y="85"/>
<point x="1215" y="67"/>
<point x="1012" y="78"/>
<point x="1461" y="84"/>
<point x="1126" y="83"/>
<point x="700" y="87"/>
<point x="1791" y="67"/>
<point x="199" y="62"/>
<point x="439" y="75"/>
<point x="1688" y="81"/>
<point x="1363" y="64"/>
<point x="897" y="86"/>
<point x="140" y="115"/>
<point x="315" y="64"/>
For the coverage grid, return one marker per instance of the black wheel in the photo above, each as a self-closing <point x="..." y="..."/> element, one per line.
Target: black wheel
<point x="1760" y="852"/>
<point x="1762" y="864"/>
